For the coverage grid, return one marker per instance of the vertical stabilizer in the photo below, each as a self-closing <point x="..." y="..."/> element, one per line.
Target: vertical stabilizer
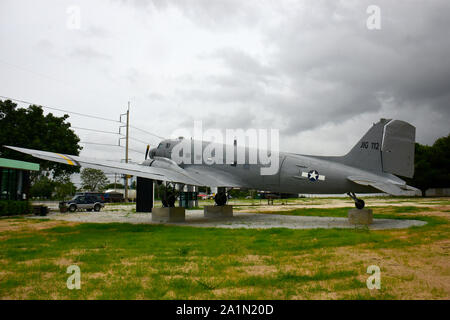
<point x="387" y="147"/>
<point x="397" y="150"/>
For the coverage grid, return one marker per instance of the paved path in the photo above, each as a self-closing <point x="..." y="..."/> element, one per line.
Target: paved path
<point x="195" y="218"/>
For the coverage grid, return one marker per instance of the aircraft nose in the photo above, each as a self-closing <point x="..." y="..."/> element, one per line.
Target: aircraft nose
<point x="152" y="153"/>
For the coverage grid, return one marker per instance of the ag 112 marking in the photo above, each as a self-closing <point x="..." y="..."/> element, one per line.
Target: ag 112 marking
<point x="373" y="145"/>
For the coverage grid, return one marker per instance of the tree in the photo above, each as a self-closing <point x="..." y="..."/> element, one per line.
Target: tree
<point x="29" y="128"/>
<point x="93" y="179"/>
<point x="432" y="165"/>
<point x="42" y="187"/>
<point x="64" y="187"/>
<point x="116" y="185"/>
<point x="440" y="161"/>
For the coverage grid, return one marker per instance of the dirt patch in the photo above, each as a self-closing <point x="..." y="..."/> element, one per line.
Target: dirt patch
<point x="31" y="262"/>
<point x="96" y="275"/>
<point x="7" y="225"/>
<point x="64" y="262"/>
<point x="342" y="203"/>
<point x="259" y="270"/>
<point x="253" y="259"/>
<point x="405" y="272"/>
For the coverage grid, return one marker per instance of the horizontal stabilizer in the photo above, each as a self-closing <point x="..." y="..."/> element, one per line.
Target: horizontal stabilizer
<point x="394" y="189"/>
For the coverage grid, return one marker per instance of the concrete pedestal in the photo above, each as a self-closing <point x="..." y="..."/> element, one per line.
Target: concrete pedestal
<point x="218" y="211"/>
<point x="360" y="216"/>
<point x="174" y="214"/>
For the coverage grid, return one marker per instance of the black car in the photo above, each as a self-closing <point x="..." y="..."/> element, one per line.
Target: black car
<point x="82" y="202"/>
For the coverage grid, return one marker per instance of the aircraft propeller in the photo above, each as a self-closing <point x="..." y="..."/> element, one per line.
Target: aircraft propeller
<point x="146" y="151"/>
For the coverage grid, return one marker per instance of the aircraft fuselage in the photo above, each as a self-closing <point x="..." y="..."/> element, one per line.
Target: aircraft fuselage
<point x="294" y="173"/>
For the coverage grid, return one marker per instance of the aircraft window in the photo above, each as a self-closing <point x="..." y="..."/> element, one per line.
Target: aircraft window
<point x="159" y="145"/>
<point x="167" y="145"/>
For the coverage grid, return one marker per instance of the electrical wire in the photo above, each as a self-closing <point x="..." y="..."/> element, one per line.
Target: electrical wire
<point x="95" y="130"/>
<point x="141" y="141"/>
<point x="61" y="110"/>
<point x="145" y="131"/>
<point x="111" y="145"/>
<point x="84" y="115"/>
<point x="101" y="144"/>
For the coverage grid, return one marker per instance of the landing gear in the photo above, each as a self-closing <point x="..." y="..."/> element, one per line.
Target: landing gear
<point x="221" y="197"/>
<point x="359" y="203"/>
<point x="169" y="197"/>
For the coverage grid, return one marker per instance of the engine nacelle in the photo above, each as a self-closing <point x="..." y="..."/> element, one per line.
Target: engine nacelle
<point x="165" y="163"/>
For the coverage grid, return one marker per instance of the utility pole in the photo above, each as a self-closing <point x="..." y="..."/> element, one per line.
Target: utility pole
<point x="126" y="145"/>
<point x="126" y="149"/>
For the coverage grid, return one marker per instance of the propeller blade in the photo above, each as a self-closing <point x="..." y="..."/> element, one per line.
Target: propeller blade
<point x="146" y="152"/>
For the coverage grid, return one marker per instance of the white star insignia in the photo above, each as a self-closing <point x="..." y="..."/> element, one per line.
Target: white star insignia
<point x="313" y="175"/>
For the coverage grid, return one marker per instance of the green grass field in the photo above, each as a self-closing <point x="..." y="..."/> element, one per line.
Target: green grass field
<point x="124" y="261"/>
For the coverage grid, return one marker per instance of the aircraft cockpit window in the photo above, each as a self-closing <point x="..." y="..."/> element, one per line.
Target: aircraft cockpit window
<point x="159" y="146"/>
<point x="167" y="145"/>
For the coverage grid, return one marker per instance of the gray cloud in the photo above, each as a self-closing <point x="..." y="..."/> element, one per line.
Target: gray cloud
<point x="310" y="68"/>
<point x="336" y="69"/>
<point x="88" y="53"/>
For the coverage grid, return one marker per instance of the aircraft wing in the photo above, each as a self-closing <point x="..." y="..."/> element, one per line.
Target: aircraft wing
<point x="392" y="188"/>
<point x="214" y="177"/>
<point x="155" y="173"/>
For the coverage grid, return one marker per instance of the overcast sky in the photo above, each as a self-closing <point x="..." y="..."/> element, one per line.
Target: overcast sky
<point x="311" y="69"/>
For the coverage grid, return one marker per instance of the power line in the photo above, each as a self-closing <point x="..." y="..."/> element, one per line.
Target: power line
<point x="95" y="130"/>
<point x="101" y="144"/>
<point x="82" y="115"/>
<point x="136" y="151"/>
<point x="61" y="110"/>
<point x="109" y="145"/>
<point x="152" y="134"/>
<point x="144" y="142"/>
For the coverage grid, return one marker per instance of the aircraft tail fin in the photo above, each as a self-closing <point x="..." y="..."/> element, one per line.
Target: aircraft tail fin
<point x="387" y="147"/>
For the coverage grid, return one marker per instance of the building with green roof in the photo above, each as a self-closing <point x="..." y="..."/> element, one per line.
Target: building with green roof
<point x="15" y="178"/>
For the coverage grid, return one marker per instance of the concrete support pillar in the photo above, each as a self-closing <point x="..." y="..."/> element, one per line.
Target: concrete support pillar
<point x="144" y="195"/>
<point x="180" y="188"/>
<point x="218" y="211"/>
<point x="196" y="198"/>
<point x="191" y="202"/>
<point x="360" y="216"/>
<point x="169" y="215"/>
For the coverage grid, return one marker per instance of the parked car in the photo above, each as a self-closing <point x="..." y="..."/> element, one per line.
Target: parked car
<point x="113" y="196"/>
<point x="78" y="202"/>
<point x="205" y="196"/>
<point x="99" y="195"/>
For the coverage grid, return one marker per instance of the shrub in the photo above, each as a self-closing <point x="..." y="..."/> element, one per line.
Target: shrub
<point x="12" y="208"/>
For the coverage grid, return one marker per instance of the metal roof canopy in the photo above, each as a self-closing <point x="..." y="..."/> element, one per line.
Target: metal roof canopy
<point x="20" y="165"/>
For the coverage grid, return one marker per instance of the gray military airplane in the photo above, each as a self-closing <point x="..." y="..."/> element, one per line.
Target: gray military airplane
<point x="386" y="150"/>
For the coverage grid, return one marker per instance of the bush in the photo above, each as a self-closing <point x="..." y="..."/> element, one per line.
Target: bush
<point x="12" y="208"/>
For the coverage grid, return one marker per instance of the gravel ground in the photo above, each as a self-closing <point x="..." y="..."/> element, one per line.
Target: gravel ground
<point x="195" y="218"/>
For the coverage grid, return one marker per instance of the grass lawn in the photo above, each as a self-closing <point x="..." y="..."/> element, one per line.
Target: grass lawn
<point x="124" y="261"/>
